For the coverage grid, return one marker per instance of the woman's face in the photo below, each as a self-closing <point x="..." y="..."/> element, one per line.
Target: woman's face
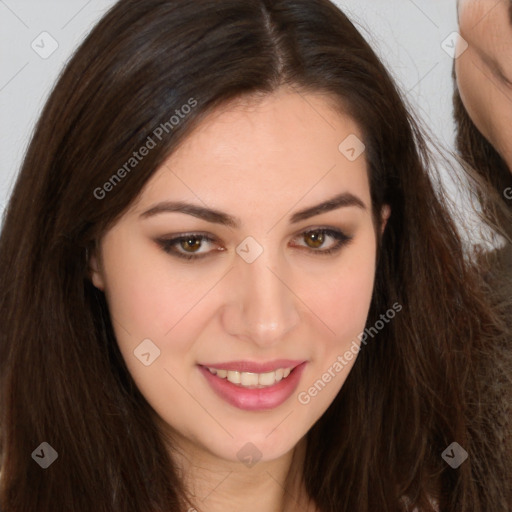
<point x="484" y="70"/>
<point x="277" y="223"/>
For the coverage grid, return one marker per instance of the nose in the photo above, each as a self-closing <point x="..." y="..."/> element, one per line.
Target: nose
<point x="261" y="305"/>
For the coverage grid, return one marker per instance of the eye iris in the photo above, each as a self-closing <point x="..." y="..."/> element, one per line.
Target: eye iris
<point x="314" y="239"/>
<point x="191" y="244"/>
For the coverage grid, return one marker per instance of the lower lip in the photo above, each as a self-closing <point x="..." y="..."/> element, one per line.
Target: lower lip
<point x="256" y="399"/>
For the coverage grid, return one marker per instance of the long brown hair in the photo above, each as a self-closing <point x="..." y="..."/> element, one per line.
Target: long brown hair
<point x="63" y="379"/>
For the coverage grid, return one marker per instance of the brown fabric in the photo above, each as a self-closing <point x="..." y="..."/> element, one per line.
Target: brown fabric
<point x="491" y="413"/>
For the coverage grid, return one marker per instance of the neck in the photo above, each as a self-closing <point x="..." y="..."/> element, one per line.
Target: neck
<point x="217" y="485"/>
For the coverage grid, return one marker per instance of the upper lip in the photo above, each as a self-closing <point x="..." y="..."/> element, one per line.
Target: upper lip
<point x="254" y="367"/>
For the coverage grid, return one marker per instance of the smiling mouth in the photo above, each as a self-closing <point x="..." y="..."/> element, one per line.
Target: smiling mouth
<point x="251" y="380"/>
<point x="265" y="387"/>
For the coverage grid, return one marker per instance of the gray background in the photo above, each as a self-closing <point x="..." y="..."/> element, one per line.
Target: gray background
<point x="407" y="34"/>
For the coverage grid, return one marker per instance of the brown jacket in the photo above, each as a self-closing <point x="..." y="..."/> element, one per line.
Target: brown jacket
<point x="491" y="413"/>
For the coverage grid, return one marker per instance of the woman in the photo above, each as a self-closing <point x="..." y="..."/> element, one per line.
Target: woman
<point x="483" y="115"/>
<point x="228" y="281"/>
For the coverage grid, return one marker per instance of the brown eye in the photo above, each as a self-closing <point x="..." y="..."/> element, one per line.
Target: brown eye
<point x="191" y="243"/>
<point x="314" y="239"/>
<point x="323" y="241"/>
<point x="190" y="246"/>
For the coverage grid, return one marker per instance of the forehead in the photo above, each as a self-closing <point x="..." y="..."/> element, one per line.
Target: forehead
<point x="282" y="149"/>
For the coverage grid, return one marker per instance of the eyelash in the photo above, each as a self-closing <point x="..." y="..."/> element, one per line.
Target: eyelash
<point x="168" y="244"/>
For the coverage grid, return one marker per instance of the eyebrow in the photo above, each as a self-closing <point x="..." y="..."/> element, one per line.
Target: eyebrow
<point x="343" y="200"/>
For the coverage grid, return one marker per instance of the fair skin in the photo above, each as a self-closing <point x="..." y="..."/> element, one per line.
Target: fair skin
<point x="260" y="162"/>
<point x="484" y="70"/>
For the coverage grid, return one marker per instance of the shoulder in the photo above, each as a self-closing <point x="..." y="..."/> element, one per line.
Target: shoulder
<point x="489" y="403"/>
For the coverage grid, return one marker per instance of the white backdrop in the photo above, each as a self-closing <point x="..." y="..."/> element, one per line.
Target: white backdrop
<point x="413" y="37"/>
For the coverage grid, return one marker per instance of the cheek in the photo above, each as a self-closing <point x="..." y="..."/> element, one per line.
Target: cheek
<point x="481" y="97"/>
<point x="488" y="107"/>
<point x="345" y="299"/>
<point x="471" y="84"/>
<point x="341" y="297"/>
<point x="157" y="314"/>
<point x="147" y="294"/>
<point x="154" y="310"/>
<point x="501" y="136"/>
<point x="343" y="306"/>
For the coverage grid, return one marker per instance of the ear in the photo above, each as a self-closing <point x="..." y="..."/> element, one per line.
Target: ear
<point x="95" y="270"/>
<point x="385" y="213"/>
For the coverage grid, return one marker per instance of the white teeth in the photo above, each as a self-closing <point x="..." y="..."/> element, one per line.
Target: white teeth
<point x="252" y="380"/>
<point x="267" y="379"/>
<point x="234" y="377"/>
<point x="248" y="379"/>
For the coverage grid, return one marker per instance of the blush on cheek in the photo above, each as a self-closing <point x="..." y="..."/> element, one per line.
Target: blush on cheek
<point x="342" y="306"/>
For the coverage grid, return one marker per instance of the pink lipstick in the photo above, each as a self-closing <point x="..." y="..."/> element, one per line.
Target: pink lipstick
<point x="254" y="386"/>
